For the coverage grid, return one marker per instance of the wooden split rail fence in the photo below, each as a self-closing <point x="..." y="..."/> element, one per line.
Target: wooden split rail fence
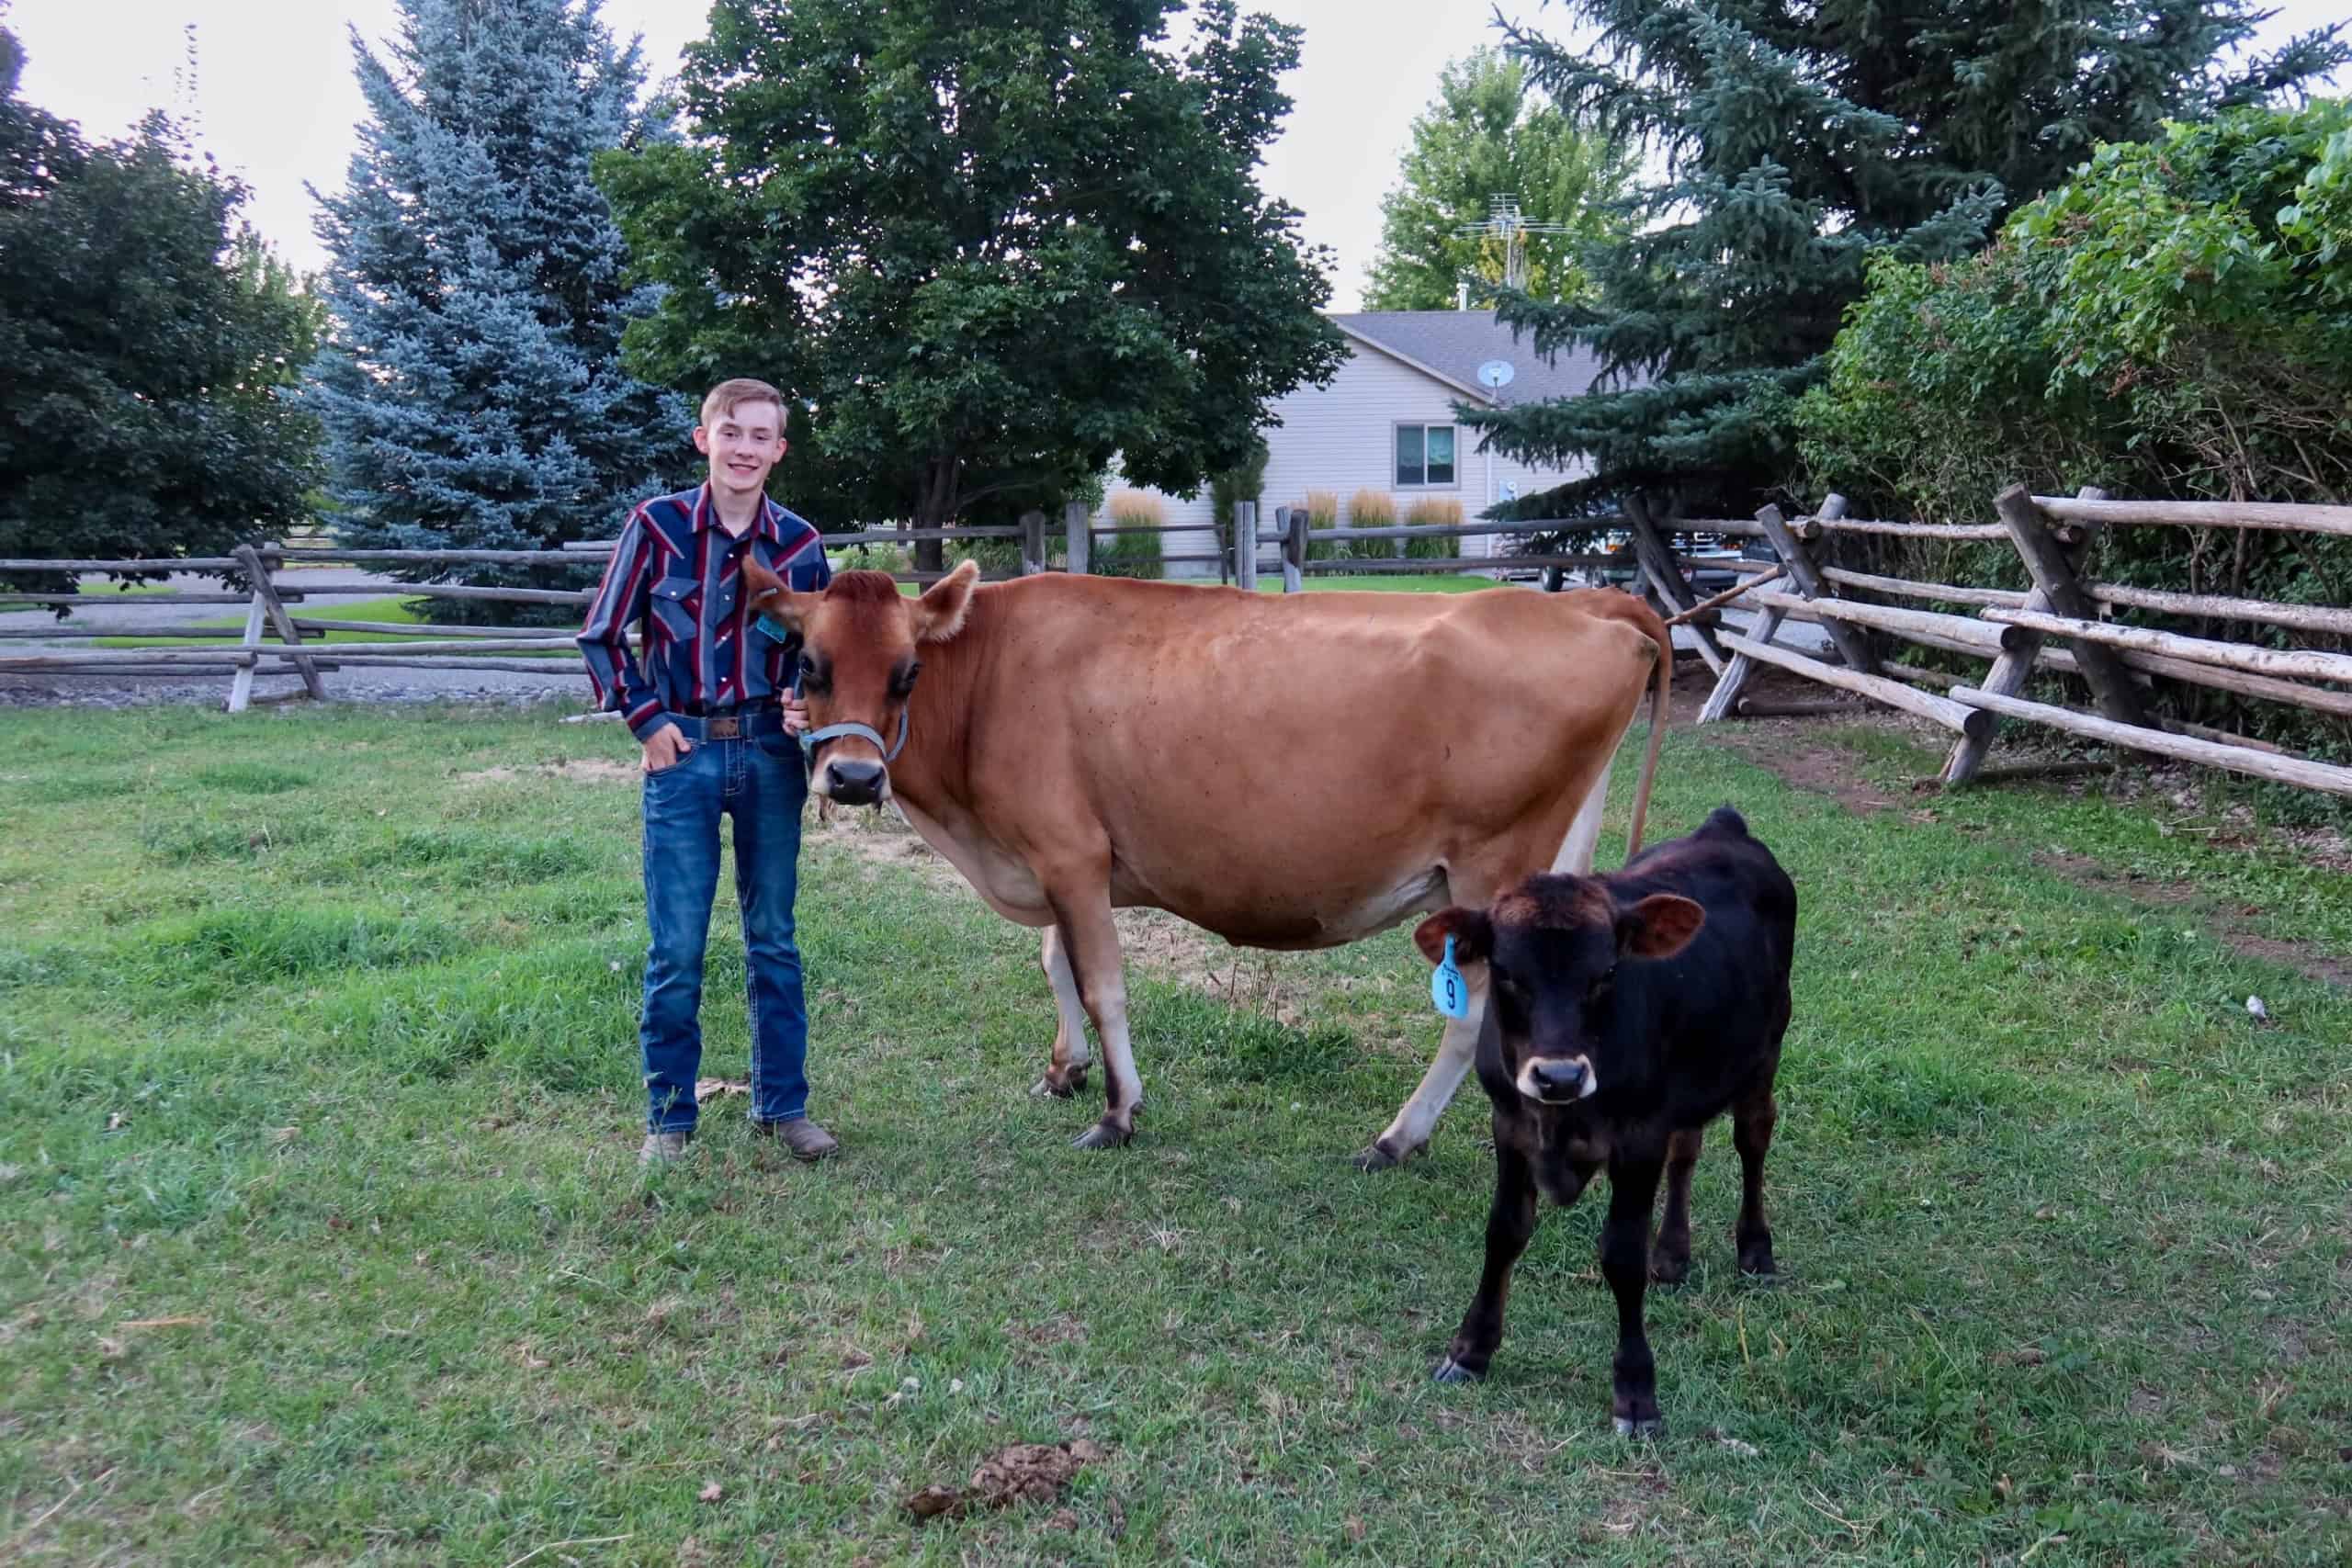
<point x="278" y="638"/>
<point x="2060" y="625"/>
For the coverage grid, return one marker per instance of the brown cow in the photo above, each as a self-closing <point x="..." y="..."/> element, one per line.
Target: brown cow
<point x="1287" y="773"/>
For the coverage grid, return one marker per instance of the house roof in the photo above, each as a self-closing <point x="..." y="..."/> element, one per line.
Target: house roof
<point x="1452" y="344"/>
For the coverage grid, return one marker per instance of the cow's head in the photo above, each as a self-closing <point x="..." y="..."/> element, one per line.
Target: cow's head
<point x="1550" y="947"/>
<point x="861" y="651"/>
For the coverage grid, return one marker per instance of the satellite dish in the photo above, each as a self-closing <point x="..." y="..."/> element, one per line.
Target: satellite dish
<point x="1495" y="373"/>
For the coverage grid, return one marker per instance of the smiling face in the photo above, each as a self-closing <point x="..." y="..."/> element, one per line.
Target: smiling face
<point x="1550" y="947"/>
<point x="862" y="643"/>
<point x="742" y="434"/>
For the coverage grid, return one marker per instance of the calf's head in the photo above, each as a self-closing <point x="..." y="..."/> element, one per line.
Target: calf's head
<point x="1551" y="948"/>
<point x="861" y="651"/>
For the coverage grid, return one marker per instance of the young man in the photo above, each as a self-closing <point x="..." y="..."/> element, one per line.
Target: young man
<point x="712" y="705"/>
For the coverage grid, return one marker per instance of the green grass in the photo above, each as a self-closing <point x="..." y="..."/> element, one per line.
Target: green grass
<point x="1384" y="582"/>
<point x="317" y="1030"/>
<point x="392" y="609"/>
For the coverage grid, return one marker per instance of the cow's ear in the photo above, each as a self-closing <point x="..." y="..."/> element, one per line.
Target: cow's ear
<point x="939" y="614"/>
<point x="1472" y="934"/>
<point x="771" y="596"/>
<point x="1659" y="926"/>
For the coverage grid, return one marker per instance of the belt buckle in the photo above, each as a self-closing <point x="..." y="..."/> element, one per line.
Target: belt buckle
<point x="724" y="728"/>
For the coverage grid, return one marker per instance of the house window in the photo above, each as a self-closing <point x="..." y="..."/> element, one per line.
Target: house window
<point x="1424" y="455"/>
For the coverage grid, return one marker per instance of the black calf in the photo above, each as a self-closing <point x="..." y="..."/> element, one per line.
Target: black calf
<point x="1624" y="1013"/>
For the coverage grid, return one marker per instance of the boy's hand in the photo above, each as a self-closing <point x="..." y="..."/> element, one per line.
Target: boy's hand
<point x="796" y="714"/>
<point x="665" y="748"/>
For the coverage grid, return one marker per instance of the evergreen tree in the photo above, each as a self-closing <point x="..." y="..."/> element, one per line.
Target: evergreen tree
<point x="1482" y="139"/>
<point x="151" y="347"/>
<point x="472" y="392"/>
<point x="985" y="244"/>
<point x="1797" y="141"/>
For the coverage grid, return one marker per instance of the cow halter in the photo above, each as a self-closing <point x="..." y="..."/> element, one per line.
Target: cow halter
<point x="812" y="738"/>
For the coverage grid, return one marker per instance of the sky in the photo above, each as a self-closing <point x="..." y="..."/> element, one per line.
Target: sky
<point x="275" y="101"/>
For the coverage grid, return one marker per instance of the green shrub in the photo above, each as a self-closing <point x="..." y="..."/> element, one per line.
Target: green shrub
<point x="1131" y="555"/>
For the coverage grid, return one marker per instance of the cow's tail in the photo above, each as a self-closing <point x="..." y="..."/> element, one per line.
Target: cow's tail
<point x="1661" y="697"/>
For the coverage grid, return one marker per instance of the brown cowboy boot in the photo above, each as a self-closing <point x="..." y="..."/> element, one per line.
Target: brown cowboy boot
<point x="803" y="1137"/>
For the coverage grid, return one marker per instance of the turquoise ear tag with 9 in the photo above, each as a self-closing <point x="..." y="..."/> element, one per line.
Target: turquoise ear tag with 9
<point x="1447" y="989"/>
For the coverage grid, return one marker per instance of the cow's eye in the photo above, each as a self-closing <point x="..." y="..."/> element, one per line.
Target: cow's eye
<point x="812" y="676"/>
<point x="1601" y="984"/>
<point x="903" y="683"/>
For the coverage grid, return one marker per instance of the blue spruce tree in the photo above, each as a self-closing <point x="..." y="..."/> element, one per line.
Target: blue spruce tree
<point x="472" y="389"/>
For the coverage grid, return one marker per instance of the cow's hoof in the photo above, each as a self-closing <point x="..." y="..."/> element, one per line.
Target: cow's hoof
<point x="1063" y="1088"/>
<point x="1640" y="1428"/>
<point x="1758" y="1265"/>
<point x="1669" y="1270"/>
<point x="1105" y="1134"/>
<point x="1452" y="1370"/>
<point x="1381" y="1155"/>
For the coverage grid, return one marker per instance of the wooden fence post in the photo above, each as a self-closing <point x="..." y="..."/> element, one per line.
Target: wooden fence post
<point x="1032" y="543"/>
<point x="1852" y="645"/>
<point x="1724" y="700"/>
<point x="266" y="599"/>
<point x="1075" y="527"/>
<point x="2048" y="563"/>
<point x="1293" y="526"/>
<point x="1658" y="565"/>
<point x="1245" y="546"/>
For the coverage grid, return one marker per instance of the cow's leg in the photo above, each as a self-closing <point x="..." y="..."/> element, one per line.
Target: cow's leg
<point x="1457" y="1047"/>
<point x="1092" y="940"/>
<point x="1670" y="1259"/>
<point x="1584" y="834"/>
<point x="1071" y="1056"/>
<point x="1509" y="1224"/>
<point x="1625" y="1264"/>
<point x="1753" y="1116"/>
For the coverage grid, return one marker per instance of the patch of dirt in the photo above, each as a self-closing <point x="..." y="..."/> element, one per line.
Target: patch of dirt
<point x="577" y="769"/>
<point x="2226" y="922"/>
<point x="1155" y="942"/>
<point x="1026" y="1473"/>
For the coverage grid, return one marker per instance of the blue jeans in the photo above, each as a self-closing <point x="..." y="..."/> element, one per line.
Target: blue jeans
<point x="762" y="783"/>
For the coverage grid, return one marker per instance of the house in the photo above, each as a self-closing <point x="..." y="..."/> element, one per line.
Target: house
<point x="1385" y="422"/>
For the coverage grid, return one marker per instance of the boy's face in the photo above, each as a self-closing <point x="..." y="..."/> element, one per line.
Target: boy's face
<point x="743" y="444"/>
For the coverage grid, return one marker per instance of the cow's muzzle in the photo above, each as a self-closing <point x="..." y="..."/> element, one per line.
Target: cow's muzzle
<point x="1557" y="1080"/>
<point x="849" y="782"/>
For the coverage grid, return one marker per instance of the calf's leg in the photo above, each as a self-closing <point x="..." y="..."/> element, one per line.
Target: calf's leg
<point x="1509" y="1224"/>
<point x="1670" y="1260"/>
<point x="1753" y="1115"/>
<point x="1625" y="1264"/>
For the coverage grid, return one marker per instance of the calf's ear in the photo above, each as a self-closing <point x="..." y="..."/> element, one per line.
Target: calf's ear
<point x="770" y="596"/>
<point x="1659" y="926"/>
<point x="1472" y="934"/>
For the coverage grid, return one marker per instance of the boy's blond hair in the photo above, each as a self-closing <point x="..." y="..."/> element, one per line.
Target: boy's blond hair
<point x="724" y="398"/>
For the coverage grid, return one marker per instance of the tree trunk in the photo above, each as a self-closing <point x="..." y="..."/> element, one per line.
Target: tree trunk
<point x="936" y="509"/>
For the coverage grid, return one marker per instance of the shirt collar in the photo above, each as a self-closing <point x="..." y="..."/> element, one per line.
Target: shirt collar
<point x="767" y="524"/>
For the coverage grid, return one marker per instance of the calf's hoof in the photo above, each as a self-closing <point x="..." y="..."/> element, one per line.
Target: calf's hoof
<point x="1640" y="1428"/>
<point x="1105" y="1134"/>
<point x="1380" y="1155"/>
<point x="1452" y="1370"/>
<point x="1668" y="1268"/>
<point x="1757" y="1262"/>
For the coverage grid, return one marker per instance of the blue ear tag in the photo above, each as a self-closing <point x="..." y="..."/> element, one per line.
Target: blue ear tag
<point x="775" y="628"/>
<point x="1447" y="990"/>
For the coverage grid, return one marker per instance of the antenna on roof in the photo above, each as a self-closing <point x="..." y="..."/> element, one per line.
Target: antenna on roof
<point x="1504" y="222"/>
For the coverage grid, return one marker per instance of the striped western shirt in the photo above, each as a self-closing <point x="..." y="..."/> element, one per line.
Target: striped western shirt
<point x="679" y="572"/>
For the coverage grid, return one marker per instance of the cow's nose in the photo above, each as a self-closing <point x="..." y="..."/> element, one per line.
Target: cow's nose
<point x="1557" y="1079"/>
<point x="855" y="783"/>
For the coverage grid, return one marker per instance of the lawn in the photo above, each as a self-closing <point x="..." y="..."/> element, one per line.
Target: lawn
<point x="395" y="609"/>
<point x="323" y="1238"/>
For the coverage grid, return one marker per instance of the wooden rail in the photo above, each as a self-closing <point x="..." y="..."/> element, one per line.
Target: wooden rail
<point x="2061" y="625"/>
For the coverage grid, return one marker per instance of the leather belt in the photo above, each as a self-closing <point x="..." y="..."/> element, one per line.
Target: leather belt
<point x="730" y="727"/>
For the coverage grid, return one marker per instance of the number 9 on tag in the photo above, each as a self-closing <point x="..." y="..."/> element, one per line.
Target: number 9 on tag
<point x="1448" y="991"/>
